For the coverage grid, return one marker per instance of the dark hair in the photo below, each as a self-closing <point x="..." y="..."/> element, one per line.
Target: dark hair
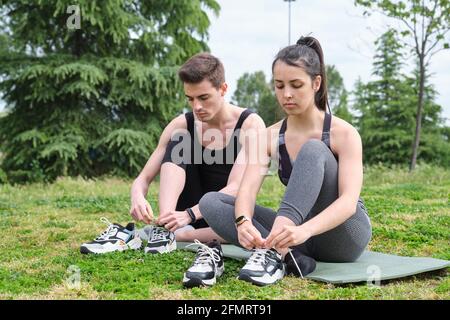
<point x="203" y="66"/>
<point x="307" y="54"/>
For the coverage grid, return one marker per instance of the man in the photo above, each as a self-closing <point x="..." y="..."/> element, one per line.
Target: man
<point x="198" y="152"/>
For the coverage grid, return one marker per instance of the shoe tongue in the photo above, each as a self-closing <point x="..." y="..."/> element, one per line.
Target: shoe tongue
<point x="130" y="226"/>
<point x="274" y="251"/>
<point x="213" y="244"/>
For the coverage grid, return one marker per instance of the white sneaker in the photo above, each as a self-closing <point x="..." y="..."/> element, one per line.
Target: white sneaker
<point x="265" y="266"/>
<point x="114" y="238"/>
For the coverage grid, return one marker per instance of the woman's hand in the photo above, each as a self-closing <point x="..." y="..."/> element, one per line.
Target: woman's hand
<point x="287" y="236"/>
<point x="141" y="210"/>
<point x="249" y="237"/>
<point x="174" y="220"/>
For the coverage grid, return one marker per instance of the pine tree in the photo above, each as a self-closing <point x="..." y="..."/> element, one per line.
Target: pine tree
<point x="424" y="25"/>
<point x="386" y="119"/>
<point x="387" y="108"/>
<point x="89" y="85"/>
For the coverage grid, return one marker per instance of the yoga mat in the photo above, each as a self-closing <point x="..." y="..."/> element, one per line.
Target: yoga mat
<point x="371" y="266"/>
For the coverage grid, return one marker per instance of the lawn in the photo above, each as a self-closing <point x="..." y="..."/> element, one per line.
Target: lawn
<point x="44" y="225"/>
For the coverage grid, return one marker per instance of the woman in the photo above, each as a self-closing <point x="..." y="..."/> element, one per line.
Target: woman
<point x="321" y="216"/>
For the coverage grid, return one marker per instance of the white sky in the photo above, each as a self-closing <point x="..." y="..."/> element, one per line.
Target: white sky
<point x="248" y="33"/>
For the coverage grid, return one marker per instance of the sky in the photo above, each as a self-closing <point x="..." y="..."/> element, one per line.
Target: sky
<point x="247" y="35"/>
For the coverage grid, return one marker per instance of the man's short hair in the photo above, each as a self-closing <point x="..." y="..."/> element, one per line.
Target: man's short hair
<point x="203" y="66"/>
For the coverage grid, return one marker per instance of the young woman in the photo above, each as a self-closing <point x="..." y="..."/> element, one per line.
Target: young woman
<point x="321" y="216"/>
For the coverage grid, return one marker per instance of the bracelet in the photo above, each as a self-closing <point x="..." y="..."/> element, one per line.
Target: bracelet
<point x="191" y="214"/>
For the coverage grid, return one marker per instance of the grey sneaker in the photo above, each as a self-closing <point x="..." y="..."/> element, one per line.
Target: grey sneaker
<point x="161" y="241"/>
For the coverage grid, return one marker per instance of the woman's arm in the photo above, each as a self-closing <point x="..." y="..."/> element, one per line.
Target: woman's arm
<point x="348" y="146"/>
<point x="350" y="178"/>
<point x="258" y="158"/>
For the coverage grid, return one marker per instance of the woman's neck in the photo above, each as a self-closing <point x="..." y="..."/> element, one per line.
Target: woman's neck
<point x="310" y="120"/>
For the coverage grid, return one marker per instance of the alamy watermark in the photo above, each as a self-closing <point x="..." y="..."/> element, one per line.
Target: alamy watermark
<point x="74" y="20"/>
<point x="212" y="147"/>
<point x="73" y="281"/>
<point x="374" y="279"/>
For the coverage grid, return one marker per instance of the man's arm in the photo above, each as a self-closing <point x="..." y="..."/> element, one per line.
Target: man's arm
<point x="140" y="208"/>
<point x="251" y="127"/>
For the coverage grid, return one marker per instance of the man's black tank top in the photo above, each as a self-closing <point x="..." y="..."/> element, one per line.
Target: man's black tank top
<point x="215" y="171"/>
<point x="285" y="164"/>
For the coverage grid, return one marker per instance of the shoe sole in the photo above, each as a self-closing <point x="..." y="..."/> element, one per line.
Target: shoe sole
<point x="247" y="278"/>
<point x="134" y="244"/>
<point x="197" y="282"/>
<point x="165" y="249"/>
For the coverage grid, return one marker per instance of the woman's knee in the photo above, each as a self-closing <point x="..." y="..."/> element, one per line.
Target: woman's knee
<point x="208" y="204"/>
<point x="312" y="147"/>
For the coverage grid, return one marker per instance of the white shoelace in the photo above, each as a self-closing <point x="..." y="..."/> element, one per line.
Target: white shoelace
<point x="204" y="253"/>
<point x="258" y="257"/>
<point x="159" y="233"/>
<point x="110" y="231"/>
<point x="298" y="268"/>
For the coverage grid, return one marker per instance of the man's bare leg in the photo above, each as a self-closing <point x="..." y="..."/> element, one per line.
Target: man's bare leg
<point x="203" y="235"/>
<point x="171" y="184"/>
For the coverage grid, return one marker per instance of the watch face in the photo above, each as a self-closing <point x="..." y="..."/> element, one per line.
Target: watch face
<point x="240" y="220"/>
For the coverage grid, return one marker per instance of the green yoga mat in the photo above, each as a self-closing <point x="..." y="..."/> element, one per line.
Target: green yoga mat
<point x="370" y="267"/>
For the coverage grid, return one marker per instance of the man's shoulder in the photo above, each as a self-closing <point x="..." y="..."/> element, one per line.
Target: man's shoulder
<point x="179" y="122"/>
<point x="253" y="120"/>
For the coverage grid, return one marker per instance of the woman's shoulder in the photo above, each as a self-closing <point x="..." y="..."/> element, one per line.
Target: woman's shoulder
<point x="342" y="133"/>
<point x="340" y="126"/>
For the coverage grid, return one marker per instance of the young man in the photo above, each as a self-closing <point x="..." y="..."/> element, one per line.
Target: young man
<point x="198" y="152"/>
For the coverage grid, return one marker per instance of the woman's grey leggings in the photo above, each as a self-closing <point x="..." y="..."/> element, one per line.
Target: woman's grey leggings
<point x="312" y="187"/>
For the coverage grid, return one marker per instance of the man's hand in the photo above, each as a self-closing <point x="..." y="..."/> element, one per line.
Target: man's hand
<point x="141" y="210"/>
<point x="174" y="220"/>
<point x="287" y="236"/>
<point x="249" y="237"/>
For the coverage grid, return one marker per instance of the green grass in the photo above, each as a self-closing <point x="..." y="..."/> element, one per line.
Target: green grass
<point x="43" y="226"/>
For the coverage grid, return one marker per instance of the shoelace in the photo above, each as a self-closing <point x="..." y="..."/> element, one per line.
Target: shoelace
<point x="258" y="257"/>
<point x="110" y="231"/>
<point x="204" y="253"/>
<point x="159" y="233"/>
<point x="295" y="261"/>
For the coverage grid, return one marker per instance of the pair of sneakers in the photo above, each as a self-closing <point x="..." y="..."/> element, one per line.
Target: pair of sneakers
<point x="119" y="238"/>
<point x="264" y="267"/>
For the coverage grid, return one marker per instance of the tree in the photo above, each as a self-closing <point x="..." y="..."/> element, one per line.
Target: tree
<point x="91" y="98"/>
<point x="434" y="142"/>
<point x="337" y="94"/>
<point x="255" y="93"/>
<point x="386" y="111"/>
<point x="426" y="23"/>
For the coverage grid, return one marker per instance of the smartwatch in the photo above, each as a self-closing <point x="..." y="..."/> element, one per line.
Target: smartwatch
<point x="240" y="220"/>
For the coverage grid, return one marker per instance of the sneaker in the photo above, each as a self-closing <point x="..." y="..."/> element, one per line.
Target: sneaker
<point x="161" y="241"/>
<point x="265" y="266"/>
<point x="114" y="238"/>
<point x="208" y="265"/>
